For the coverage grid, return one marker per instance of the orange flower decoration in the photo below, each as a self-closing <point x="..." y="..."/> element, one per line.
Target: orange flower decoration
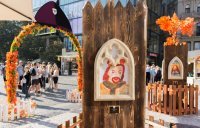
<point x="11" y="76"/>
<point x="164" y="22"/>
<point x="174" y="25"/>
<point x="12" y="59"/>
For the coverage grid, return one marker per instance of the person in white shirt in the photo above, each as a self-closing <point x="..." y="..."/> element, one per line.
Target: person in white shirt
<point x="147" y="74"/>
<point x="20" y="70"/>
<point x="152" y="73"/>
<point x="55" y="76"/>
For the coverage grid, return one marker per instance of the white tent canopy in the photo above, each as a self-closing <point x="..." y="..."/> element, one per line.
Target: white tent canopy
<point x="19" y="10"/>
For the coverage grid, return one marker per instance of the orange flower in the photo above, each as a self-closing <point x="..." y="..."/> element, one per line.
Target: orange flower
<point x="187" y="26"/>
<point x="174" y="25"/>
<point x="11" y="83"/>
<point x="164" y="23"/>
<point x="12" y="59"/>
<point x="184" y="43"/>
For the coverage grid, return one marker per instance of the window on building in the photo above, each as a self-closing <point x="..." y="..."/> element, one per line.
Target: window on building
<point x="189" y="45"/>
<point x="187" y="8"/>
<point x="69" y="46"/>
<point x="79" y="25"/>
<point x="198" y="8"/>
<point x="197" y="45"/>
<point x="198" y="29"/>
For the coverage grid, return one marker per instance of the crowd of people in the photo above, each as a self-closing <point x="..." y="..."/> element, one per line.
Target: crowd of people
<point x="33" y="77"/>
<point x="153" y="74"/>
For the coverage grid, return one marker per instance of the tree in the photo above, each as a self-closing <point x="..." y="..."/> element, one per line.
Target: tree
<point x="54" y="49"/>
<point x="8" y="30"/>
<point x="33" y="46"/>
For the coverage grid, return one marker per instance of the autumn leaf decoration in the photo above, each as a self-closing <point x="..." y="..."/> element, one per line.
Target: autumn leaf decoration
<point x="174" y="26"/>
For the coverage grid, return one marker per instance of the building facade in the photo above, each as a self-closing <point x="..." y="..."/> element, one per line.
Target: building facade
<point x="73" y="11"/>
<point x="154" y="37"/>
<point x="191" y="8"/>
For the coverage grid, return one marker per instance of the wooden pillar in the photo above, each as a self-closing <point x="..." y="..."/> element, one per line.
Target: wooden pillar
<point x="129" y="25"/>
<point x="180" y="51"/>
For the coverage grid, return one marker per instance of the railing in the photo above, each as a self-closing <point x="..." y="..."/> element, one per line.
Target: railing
<point x="77" y="122"/>
<point x="152" y="123"/>
<point x="73" y="96"/>
<point x="173" y="99"/>
<point x="22" y="109"/>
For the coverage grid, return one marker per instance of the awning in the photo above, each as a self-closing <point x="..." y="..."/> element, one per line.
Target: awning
<point x="18" y="10"/>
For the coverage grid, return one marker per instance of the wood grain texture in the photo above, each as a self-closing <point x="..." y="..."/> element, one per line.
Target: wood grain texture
<point x="181" y="51"/>
<point x="100" y="25"/>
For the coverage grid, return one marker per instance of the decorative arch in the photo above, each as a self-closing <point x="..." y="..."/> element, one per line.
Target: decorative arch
<point x="175" y="69"/>
<point x="12" y="57"/>
<point x="114" y="53"/>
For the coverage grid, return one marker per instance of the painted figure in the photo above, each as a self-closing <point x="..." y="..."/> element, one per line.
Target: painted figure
<point x="175" y="70"/>
<point x="113" y="80"/>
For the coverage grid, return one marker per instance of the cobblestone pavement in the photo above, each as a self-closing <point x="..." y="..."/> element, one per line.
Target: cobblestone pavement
<point x="52" y="107"/>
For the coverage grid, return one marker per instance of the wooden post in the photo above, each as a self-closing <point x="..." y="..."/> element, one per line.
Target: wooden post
<point x="154" y="97"/>
<point x="74" y="120"/>
<point x="191" y="99"/>
<point x="170" y="99"/>
<point x="165" y="99"/>
<point x="185" y="99"/>
<point x="149" y="95"/>
<point x="151" y="118"/>
<point x="196" y="99"/>
<point x="180" y="103"/>
<point x="159" y="98"/>
<point x="174" y="99"/>
<point x="161" y="122"/>
<point x="127" y="24"/>
<point x="60" y="126"/>
<point x="81" y="118"/>
<point x="180" y="51"/>
<point x="67" y="124"/>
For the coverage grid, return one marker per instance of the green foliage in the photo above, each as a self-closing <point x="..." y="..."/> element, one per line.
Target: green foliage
<point x="8" y="30"/>
<point x="33" y="46"/>
<point x="54" y="49"/>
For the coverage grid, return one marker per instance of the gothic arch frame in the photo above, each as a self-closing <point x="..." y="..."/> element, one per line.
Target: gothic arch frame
<point x="181" y="69"/>
<point x="101" y="56"/>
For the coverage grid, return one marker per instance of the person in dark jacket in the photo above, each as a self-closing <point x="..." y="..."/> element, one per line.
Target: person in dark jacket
<point x="26" y="80"/>
<point x="158" y="75"/>
<point x="4" y="72"/>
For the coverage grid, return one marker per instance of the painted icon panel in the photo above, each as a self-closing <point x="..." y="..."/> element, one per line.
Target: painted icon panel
<point x="114" y="72"/>
<point x="175" y="69"/>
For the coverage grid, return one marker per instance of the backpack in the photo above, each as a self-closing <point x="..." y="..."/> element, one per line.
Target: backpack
<point x="33" y="72"/>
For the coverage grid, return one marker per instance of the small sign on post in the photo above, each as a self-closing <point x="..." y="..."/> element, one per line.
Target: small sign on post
<point x="114" y="109"/>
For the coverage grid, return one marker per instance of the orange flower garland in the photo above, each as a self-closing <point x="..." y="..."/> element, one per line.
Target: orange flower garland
<point x="80" y="74"/>
<point x="12" y="58"/>
<point x="173" y="25"/>
<point x="11" y="76"/>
